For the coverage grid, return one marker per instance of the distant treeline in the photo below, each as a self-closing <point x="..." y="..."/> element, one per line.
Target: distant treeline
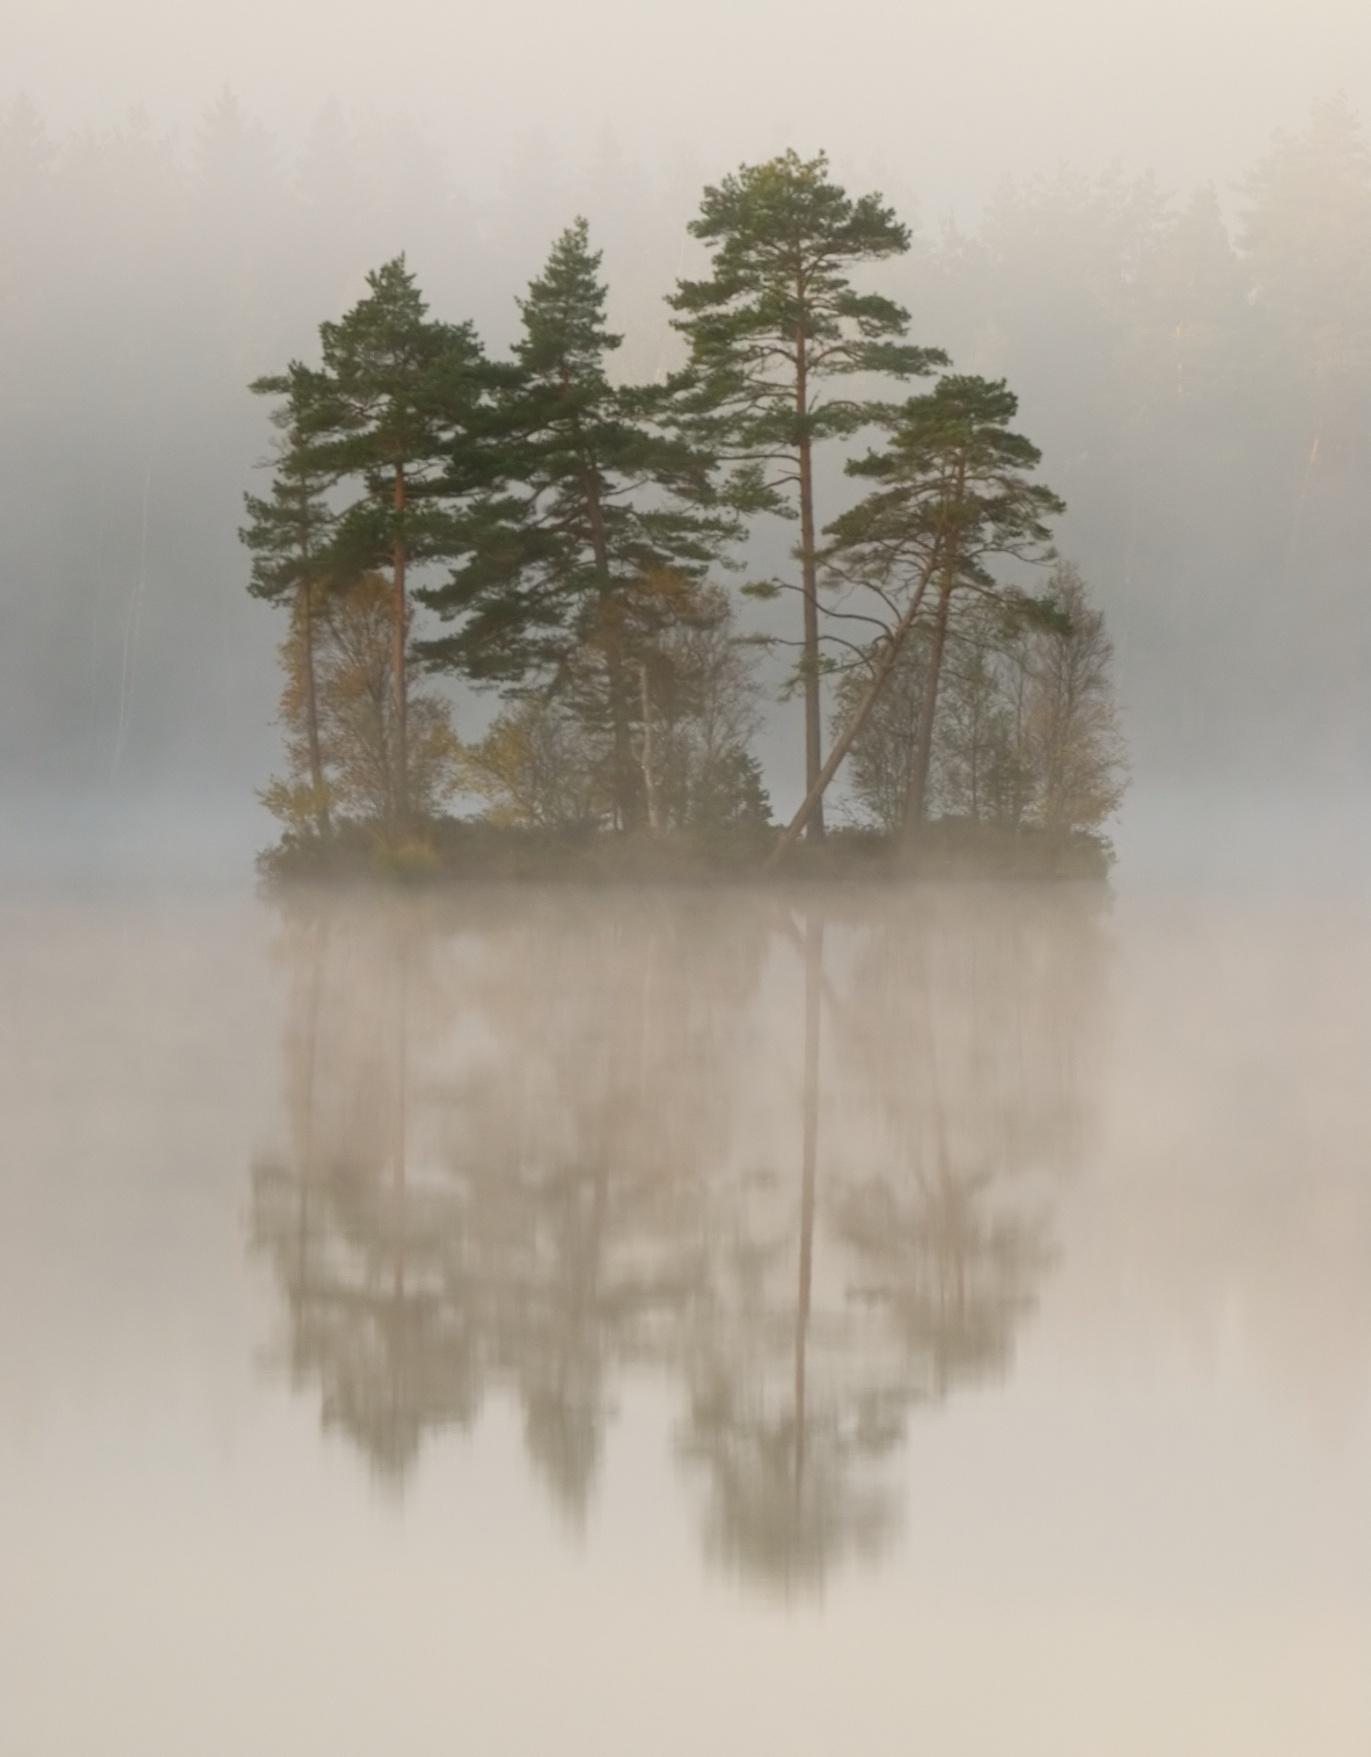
<point x="571" y="530"/>
<point x="1196" y="370"/>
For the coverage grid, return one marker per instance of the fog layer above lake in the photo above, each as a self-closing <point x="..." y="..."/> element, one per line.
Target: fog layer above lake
<point x="680" y="1322"/>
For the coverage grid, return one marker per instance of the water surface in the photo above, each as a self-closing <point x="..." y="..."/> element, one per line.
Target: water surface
<point x="839" y="1321"/>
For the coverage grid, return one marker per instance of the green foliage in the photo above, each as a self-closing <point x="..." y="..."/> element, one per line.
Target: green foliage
<point x="776" y="321"/>
<point x="289" y="533"/>
<point x="779" y="306"/>
<point x="401" y="408"/>
<point x="398" y="411"/>
<point x="603" y="497"/>
<point x="578" y="519"/>
<point x="951" y="487"/>
<point x="570" y="580"/>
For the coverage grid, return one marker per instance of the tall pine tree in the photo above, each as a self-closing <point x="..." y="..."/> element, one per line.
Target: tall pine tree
<point x="777" y="321"/>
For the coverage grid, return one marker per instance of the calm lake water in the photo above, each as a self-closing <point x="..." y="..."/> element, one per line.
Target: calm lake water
<point x="842" y="1322"/>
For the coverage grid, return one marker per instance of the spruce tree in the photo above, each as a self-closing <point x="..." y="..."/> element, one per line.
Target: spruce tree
<point x="570" y="577"/>
<point x="777" y="320"/>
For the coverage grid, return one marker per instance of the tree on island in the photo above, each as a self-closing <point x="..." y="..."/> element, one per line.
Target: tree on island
<point x="953" y="499"/>
<point x="397" y="409"/>
<point x="776" y="321"/>
<point x="1027" y="734"/>
<point x="544" y="762"/>
<point x="560" y="587"/>
<point x="569" y="526"/>
<point x="1075" y="749"/>
<point x="355" y="708"/>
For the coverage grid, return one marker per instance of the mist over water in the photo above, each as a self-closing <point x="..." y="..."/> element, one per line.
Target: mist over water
<point x="1189" y="352"/>
<point x="782" y="1317"/>
<point x="826" y="1313"/>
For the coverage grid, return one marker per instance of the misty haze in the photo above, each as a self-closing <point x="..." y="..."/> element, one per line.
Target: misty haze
<point x="685" y="954"/>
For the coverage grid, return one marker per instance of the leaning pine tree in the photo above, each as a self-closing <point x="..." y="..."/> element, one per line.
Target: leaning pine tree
<point x="953" y="500"/>
<point x="777" y="322"/>
<point x="570" y="579"/>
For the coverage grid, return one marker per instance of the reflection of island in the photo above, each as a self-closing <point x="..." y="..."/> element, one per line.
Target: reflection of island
<point x="359" y="1254"/>
<point x="795" y="1159"/>
<point x="889" y="1273"/>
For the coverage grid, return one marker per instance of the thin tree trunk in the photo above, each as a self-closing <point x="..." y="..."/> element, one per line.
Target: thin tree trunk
<point x="654" y="819"/>
<point x="625" y="805"/>
<point x="398" y="661"/>
<point x="1020" y="765"/>
<point x="885" y="665"/>
<point x="624" y="802"/>
<point x="316" y="762"/>
<point x="809" y="573"/>
<point x="917" y="798"/>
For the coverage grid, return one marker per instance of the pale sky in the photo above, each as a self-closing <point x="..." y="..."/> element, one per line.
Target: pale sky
<point x="952" y="96"/>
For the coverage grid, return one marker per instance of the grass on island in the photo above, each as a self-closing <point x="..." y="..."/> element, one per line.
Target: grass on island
<point x="465" y="849"/>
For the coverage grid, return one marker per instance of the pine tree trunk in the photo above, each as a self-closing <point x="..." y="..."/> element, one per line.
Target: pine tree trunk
<point x="809" y="574"/>
<point x="916" y="800"/>
<point x="399" y="662"/>
<point x="316" y="761"/>
<point x="885" y="665"/>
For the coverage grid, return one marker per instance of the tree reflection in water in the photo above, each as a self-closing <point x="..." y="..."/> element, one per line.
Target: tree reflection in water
<point x="793" y="1152"/>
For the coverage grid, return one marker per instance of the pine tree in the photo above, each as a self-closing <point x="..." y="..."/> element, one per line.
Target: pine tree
<point x="776" y="320"/>
<point x="609" y="506"/>
<point x="953" y="496"/>
<point x="289" y="535"/>
<point x="399" y="409"/>
<point x="953" y="482"/>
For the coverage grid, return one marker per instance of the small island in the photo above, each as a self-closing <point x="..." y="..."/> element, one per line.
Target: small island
<point x="579" y="548"/>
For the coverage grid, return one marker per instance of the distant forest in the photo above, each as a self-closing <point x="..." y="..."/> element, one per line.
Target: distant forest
<point x="1193" y="368"/>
